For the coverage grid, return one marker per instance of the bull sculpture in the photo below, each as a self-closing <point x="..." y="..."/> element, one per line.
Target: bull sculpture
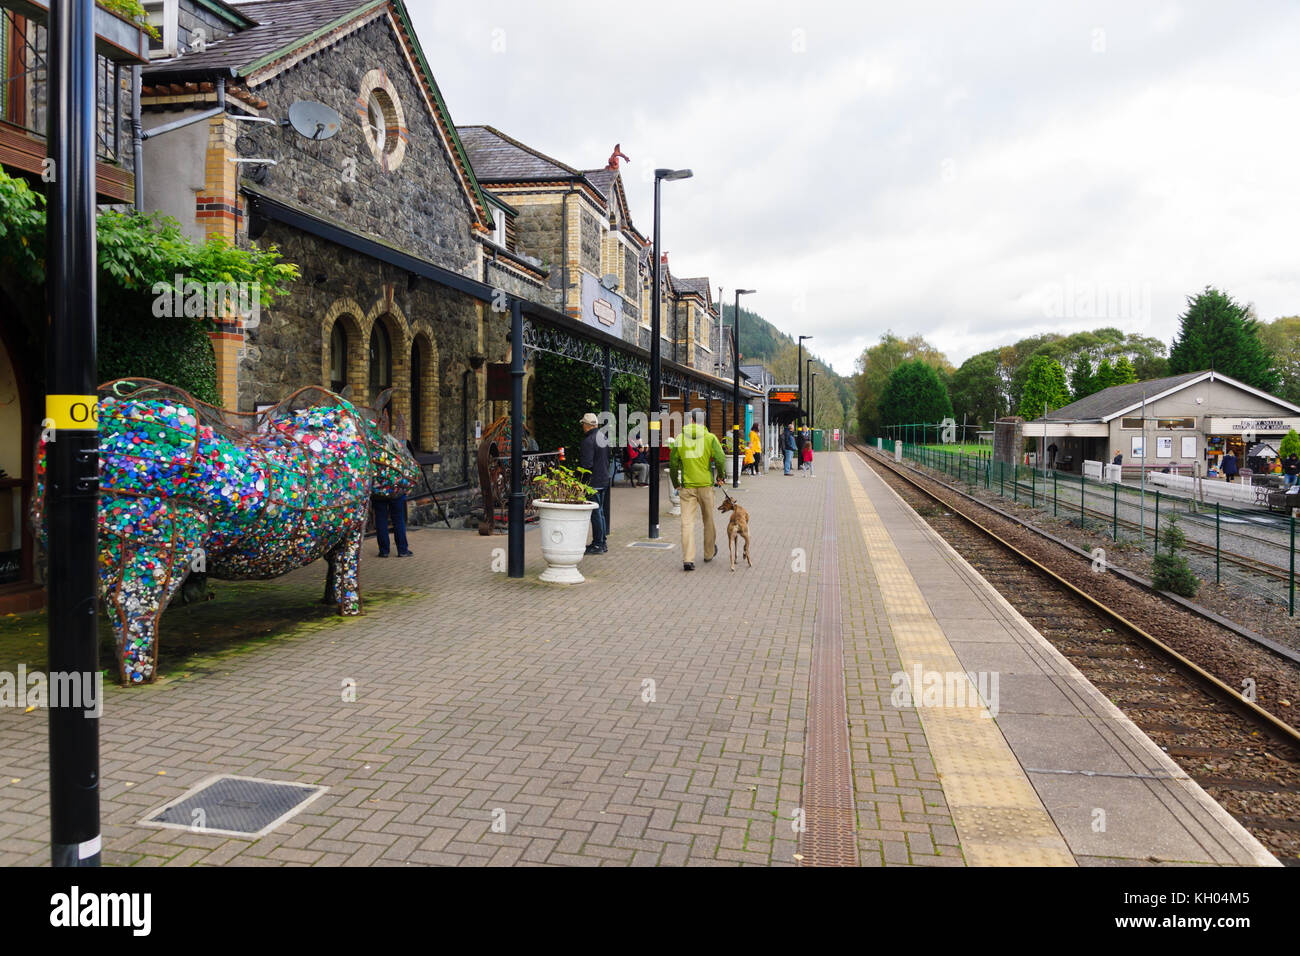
<point x="186" y="487"/>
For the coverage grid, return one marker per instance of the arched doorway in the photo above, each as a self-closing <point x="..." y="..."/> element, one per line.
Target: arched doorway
<point x="338" y="358"/>
<point x="18" y="592"/>
<point x="381" y="360"/>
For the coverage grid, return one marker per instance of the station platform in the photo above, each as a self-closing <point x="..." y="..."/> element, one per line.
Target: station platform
<point x="648" y="716"/>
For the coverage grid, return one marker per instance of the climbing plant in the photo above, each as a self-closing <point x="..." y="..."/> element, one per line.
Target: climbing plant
<point x="566" y="389"/>
<point x="144" y="259"/>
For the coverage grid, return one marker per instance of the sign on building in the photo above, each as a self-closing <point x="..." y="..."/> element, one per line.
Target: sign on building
<point x="601" y="307"/>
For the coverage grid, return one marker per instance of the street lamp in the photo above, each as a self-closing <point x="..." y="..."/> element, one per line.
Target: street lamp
<point x="807" y="377"/>
<point x="812" y="401"/>
<point x="656" y="392"/>
<point x="735" y="387"/>
<point x="799" y="371"/>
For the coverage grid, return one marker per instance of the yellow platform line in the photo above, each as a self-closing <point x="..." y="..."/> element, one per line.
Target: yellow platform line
<point x="999" y="818"/>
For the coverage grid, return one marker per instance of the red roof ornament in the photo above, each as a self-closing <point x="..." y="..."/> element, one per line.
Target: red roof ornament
<point x="614" y="157"/>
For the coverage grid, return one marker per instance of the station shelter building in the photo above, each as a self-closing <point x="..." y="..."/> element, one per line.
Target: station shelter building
<point x="1186" y="423"/>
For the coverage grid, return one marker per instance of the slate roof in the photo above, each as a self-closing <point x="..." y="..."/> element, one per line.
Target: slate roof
<point x="280" y="23"/>
<point x="699" y="284"/>
<point x="498" y="158"/>
<point x="1109" y="401"/>
<point x="603" y="180"/>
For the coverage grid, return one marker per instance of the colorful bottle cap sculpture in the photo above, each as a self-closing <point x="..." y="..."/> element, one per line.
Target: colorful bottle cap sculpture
<point x="186" y="487"/>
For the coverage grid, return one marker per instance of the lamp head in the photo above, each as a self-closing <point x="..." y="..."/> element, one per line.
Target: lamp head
<point x="673" y="174"/>
<point x="745" y="291"/>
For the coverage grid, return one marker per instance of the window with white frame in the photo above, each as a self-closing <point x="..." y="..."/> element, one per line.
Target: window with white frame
<point x="499" y="228"/>
<point x="163" y="16"/>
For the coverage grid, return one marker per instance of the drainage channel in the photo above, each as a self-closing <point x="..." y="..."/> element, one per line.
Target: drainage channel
<point x="830" y="836"/>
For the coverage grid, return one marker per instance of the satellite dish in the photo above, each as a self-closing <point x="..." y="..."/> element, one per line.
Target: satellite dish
<point x="313" y="120"/>
<point x="610" y="282"/>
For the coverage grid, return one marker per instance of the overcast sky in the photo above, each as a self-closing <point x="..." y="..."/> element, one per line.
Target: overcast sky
<point x="974" y="172"/>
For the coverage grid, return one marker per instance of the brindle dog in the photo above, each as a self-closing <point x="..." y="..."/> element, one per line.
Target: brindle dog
<point x="737" y="527"/>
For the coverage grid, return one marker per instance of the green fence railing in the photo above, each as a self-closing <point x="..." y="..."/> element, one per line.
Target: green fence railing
<point x="1248" y="548"/>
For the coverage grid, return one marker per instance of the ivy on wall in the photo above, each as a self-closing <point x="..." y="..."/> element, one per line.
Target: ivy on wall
<point x="564" y="390"/>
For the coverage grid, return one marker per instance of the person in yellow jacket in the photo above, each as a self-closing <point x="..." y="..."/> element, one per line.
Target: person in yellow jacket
<point x="695" y="464"/>
<point x="752" y="452"/>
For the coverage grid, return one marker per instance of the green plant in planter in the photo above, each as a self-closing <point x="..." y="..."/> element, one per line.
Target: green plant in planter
<point x="130" y="10"/>
<point x="561" y="486"/>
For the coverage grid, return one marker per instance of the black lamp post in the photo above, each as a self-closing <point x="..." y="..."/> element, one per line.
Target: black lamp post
<point x="812" y="401"/>
<point x="71" y="406"/>
<point x="799" y="372"/>
<point x="656" y="392"/>
<point x="807" y="377"/>
<point x="735" y="393"/>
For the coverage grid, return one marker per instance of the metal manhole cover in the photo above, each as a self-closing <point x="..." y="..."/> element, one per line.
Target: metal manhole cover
<point x="236" y="806"/>
<point x="656" y="545"/>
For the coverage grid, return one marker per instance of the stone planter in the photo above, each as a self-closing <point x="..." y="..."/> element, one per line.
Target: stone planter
<point x="564" y="539"/>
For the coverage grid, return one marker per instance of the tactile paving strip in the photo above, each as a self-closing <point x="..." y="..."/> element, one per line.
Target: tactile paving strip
<point x="830" y="832"/>
<point x="999" y="818"/>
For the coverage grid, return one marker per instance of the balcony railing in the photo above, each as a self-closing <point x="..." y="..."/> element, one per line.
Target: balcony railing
<point x="24" y="86"/>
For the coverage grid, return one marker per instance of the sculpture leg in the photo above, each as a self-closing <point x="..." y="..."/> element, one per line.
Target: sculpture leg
<point x="331" y="560"/>
<point x="346" y="566"/>
<point x="147" y="550"/>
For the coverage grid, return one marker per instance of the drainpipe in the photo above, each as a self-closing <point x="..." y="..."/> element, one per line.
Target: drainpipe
<point x="464" y="424"/>
<point x="190" y="120"/>
<point x="137" y="139"/>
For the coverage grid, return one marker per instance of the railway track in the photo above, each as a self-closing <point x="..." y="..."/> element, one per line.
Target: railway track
<point x="1247" y="564"/>
<point x="1177" y="686"/>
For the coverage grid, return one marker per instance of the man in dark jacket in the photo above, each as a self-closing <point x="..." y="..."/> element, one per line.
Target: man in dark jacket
<point x="593" y="454"/>
<point x="1229" y="464"/>
<point x="788" y="447"/>
<point x="1291" y="468"/>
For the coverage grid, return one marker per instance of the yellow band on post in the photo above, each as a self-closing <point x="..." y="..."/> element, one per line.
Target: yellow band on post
<point x="654" y="424"/>
<point x="73" y="413"/>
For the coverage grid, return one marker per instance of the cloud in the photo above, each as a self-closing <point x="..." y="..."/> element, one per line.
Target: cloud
<point x="938" y="168"/>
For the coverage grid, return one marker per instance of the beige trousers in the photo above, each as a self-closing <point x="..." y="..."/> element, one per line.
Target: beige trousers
<point x="693" y="500"/>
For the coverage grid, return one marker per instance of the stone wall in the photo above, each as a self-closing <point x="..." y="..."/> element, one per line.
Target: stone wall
<point x="538" y="231"/>
<point x="420" y="205"/>
<point x="290" y="347"/>
<point x="191" y="17"/>
<point x="1009" y="440"/>
<point x="590" y="243"/>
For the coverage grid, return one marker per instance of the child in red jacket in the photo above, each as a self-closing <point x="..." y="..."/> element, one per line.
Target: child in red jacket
<point x="807" y="456"/>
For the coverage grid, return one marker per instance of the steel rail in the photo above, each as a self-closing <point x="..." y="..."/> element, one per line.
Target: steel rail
<point x="1280" y="727"/>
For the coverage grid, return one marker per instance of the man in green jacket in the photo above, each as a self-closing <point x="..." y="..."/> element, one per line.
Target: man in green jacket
<point x="690" y="462"/>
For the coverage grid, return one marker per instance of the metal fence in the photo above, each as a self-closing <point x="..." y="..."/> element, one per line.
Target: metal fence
<point x="1250" y="548"/>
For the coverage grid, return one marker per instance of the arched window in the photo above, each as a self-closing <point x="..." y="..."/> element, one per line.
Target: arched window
<point x="338" y="357"/>
<point x="381" y="360"/>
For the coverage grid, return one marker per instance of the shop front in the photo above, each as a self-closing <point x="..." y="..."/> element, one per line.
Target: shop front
<point x="1252" y="440"/>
